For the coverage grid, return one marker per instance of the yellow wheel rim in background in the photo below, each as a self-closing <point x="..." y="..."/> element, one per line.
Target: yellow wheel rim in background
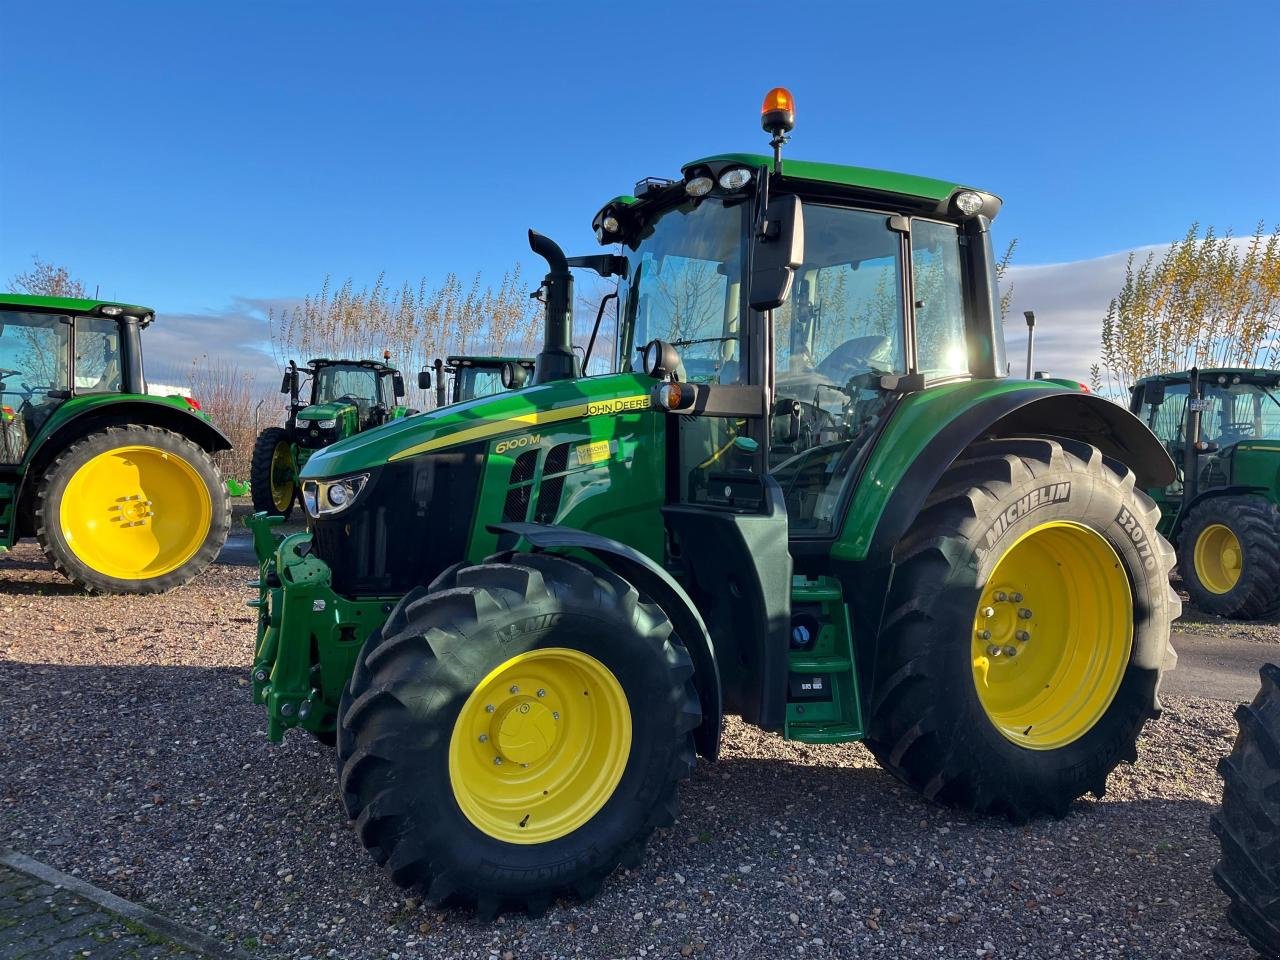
<point x="1053" y="633"/>
<point x="1219" y="558"/>
<point x="282" y="482"/>
<point x="135" y="512"/>
<point x="540" y="745"/>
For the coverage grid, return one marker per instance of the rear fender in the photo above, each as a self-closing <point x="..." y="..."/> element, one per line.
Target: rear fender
<point x="660" y="587"/>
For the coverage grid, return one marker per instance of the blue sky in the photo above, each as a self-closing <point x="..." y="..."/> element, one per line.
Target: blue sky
<point x="204" y="158"/>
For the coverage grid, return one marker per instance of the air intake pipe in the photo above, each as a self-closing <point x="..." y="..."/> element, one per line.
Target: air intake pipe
<point x="556" y="361"/>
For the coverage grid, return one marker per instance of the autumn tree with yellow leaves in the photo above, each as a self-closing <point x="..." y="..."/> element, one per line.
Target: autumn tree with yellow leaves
<point x="1208" y="301"/>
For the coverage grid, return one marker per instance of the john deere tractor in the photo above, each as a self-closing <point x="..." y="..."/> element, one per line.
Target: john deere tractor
<point x="119" y="487"/>
<point x="808" y="496"/>
<point x="459" y="378"/>
<point x="346" y="397"/>
<point x="1222" y="427"/>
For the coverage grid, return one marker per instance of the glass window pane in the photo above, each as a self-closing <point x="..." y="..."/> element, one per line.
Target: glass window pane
<point x="35" y="351"/>
<point x="941" y="346"/>
<point x="97" y="355"/>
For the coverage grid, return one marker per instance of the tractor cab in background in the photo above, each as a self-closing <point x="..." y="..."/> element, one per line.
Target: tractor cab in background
<point x="464" y="377"/>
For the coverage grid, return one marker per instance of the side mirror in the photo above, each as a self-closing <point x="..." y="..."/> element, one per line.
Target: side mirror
<point x="397" y="384"/>
<point x="777" y="252"/>
<point x="424" y="379"/>
<point x="286" y="383"/>
<point x="1153" y="393"/>
<point x="514" y="375"/>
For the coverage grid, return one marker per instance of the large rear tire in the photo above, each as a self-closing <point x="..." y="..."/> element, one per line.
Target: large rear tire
<point x="1248" y="826"/>
<point x="1025" y="630"/>
<point x="273" y="480"/>
<point x="135" y="509"/>
<point x="1229" y="555"/>
<point x="515" y="732"/>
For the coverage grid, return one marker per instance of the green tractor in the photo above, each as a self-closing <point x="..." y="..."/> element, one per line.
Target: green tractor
<point x="458" y="378"/>
<point x="808" y="496"/>
<point x="1222" y="427"/>
<point x="346" y="397"/>
<point x="118" y="486"/>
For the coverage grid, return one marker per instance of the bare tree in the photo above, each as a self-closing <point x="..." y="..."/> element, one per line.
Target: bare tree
<point x="46" y="279"/>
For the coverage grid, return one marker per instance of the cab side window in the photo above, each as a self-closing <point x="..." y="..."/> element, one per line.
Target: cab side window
<point x="937" y="287"/>
<point x="97" y="355"/>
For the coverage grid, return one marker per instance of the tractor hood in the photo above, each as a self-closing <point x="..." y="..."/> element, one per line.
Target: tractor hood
<point x="482" y="419"/>
<point x="326" y="411"/>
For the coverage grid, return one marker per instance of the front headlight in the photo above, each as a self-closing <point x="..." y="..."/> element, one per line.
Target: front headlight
<point x="323" y="498"/>
<point x="326" y="424"/>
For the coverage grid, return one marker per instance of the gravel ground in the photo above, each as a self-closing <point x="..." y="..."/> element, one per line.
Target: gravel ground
<point x="132" y="757"/>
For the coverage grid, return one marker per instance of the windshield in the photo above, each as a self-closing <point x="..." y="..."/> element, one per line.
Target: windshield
<point x="684" y="285"/>
<point x="475" y="382"/>
<point x="343" y="380"/>
<point x="1230" y="413"/>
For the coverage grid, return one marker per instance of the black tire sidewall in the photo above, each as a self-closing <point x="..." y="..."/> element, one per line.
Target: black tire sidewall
<point x="49" y="527"/>
<point x="260" y="470"/>
<point x="1247" y="592"/>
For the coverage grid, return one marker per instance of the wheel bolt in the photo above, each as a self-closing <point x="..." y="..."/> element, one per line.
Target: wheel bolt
<point x="514" y="688"/>
<point x="1001" y="596"/>
<point x="984" y="634"/>
<point x="1024" y="614"/>
<point x="1010" y="651"/>
<point x="1015" y="597"/>
<point x="993" y="651"/>
<point x="542" y="693"/>
<point x="484" y="737"/>
<point x="555" y="715"/>
<point x="1023" y="636"/>
<point x="497" y="761"/>
<point x="988" y="612"/>
<point x="488" y="708"/>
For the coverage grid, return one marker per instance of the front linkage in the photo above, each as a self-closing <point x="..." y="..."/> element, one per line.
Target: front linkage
<point x="299" y="672"/>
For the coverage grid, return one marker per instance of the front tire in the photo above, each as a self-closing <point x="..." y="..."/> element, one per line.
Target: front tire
<point x="1025" y="630"/>
<point x="1248" y="826"/>
<point x="273" y="480"/>
<point x="515" y="732"/>
<point x="135" y="509"/>
<point x="1229" y="554"/>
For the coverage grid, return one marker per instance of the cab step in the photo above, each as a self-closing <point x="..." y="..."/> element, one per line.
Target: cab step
<point x="823" y="702"/>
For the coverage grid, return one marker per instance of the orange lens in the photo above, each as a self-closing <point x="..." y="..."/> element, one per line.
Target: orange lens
<point x="779" y="98"/>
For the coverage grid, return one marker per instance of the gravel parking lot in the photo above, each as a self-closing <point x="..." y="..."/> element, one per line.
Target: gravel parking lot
<point x="131" y="756"/>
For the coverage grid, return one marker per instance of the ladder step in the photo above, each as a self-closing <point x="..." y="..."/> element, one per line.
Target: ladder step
<point x="820" y="732"/>
<point x="798" y="663"/>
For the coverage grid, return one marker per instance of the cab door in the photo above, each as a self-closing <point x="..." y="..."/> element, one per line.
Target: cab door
<point x="35" y="375"/>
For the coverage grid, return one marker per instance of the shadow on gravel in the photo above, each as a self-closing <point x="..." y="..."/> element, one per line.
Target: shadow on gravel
<point x="61" y="588"/>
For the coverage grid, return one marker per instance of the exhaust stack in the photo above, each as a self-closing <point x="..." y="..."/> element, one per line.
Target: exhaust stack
<point x="556" y="361"/>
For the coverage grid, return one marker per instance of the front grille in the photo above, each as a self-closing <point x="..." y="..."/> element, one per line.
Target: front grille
<point x="312" y="437"/>
<point x="549" y="499"/>
<point x="410" y="522"/>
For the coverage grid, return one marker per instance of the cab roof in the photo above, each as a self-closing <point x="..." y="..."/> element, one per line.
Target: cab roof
<point x="75" y="305"/>
<point x="1252" y="374"/>
<point x="489" y="360"/>
<point x="377" y="365"/>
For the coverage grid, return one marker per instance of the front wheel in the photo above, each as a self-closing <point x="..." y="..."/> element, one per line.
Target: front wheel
<point x="515" y="732"/>
<point x="273" y="480"/>
<point x="1025" y="631"/>
<point x="134" y="509"/>
<point x="1248" y="825"/>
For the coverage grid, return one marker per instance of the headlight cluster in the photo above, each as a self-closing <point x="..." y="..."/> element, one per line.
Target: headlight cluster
<point x="700" y="184"/>
<point x="324" y="498"/>
<point x="326" y="424"/>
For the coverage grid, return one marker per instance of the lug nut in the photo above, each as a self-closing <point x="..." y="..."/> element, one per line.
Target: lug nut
<point x="514" y="688"/>
<point x="1001" y="596"/>
<point x="1015" y="597"/>
<point x="988" y="612"/>
<point x="984" y="634"/>
<point x="1010" y="651"/>
<point x="488" y="708"/>
<point x="1023" y="636"/>
<point x="260" y="675"/>
<point x="542" y="693"/>
<point x="1024" y="614"/>
<point x="993" y="651"/>
<point x="497" y="761"/>
<point x="555" y="714"/>
<point x="484" y="737"/>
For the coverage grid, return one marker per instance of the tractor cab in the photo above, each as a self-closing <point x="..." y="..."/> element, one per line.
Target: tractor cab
<point x="465" y="377"/>
<point x="361" y="392"/>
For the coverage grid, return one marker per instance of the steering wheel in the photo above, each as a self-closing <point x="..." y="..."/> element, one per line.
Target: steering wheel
<point x="5" y="372"/>
<point x="854" y="355"/>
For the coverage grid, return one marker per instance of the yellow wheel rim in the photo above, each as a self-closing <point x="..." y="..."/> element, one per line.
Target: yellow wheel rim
<point x="1053" y="633"/>
<point x="540" y="745"/>
<point x="282" y="482"/>
<point x="1219" y="558"/>
<point x="135" y="512"/>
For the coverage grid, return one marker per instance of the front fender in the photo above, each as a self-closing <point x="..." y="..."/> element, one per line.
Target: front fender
<point x="660" y="587"/>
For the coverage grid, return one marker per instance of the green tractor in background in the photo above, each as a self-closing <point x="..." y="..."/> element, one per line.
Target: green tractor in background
<point x="809" y="496"/>
<point x="346" y="397"/>
<point x="465" y="377"/>
<point x="118" y="486"/>
<point x="1222" y="427"/>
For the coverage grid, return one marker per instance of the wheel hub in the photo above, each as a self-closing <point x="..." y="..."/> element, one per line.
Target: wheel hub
<point x="523" y="730"/>
<point x="1219" y="558"/>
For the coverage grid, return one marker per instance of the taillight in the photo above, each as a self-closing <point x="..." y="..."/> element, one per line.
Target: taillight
<point x="192" y="402"/>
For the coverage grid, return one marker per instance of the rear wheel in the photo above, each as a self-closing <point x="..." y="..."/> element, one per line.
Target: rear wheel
<point x="1229" y="554"/>
<point x="134" y="509"/>
<point x="515" y="732"/>
<point x="273" y="479"/>
<point x="1026" y="628"/>
<point x="1248" y="826"/>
